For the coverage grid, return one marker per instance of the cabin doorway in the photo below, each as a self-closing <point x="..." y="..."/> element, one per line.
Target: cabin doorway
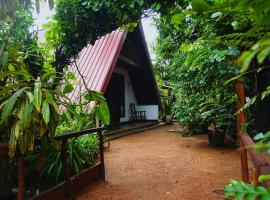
<point x="115" y="96"/>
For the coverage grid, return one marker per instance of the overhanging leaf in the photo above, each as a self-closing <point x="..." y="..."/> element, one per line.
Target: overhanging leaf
<point x="103" y="113"/>
<point x="9" y="104"/>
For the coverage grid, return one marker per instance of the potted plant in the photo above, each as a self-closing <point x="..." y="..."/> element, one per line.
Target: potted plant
<point x="167" y="106"/>
<point x="216" y="136"/>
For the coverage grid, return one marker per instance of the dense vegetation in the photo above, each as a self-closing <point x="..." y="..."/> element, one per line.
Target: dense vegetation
<point x="32" y="101"/>
<point x="197" y="66"/>
<point x="199" y="42"/>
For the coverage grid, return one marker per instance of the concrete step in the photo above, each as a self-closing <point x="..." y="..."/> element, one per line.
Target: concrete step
<point x="117" y="134"/>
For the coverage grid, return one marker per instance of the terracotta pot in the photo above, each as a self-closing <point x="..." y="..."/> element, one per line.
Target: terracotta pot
<point x="216" y="138"/>
<point x="168" y="119"/>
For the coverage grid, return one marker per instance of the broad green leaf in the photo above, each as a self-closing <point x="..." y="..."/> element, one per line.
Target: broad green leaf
<point x="16" y="129"/>
<point x="263" y="54"/>
<point x="13" y="73"/>
<point x="259" y="136"/>
<point x="9" y="104"/>
<point x="30" y="96"/>
<point x="239" y="190"/>
<point x="22" y="142"/>
<point x="265" y="197"/>
<point x="264" y="178"/>
<point x="177" y="19"/>
<point x="94" y="96"/>
<point x="246" y="58"/>
<point x="200" y="6"/>
<point x="55" y="106"/>
<point x="47" y="75"/>
<point x="68" y="88"/>
<point x="250" y="197"/>
<point x="27" y="115"/>
<point x="30" y="140"/>
<point x="11" y="87"/>
<point x="71" y="76"/>
<point x="12" y="141"/>
<point x="216" y="14"/>
<point x="155" y="6"/>
<point x="46" y="111"/>
<point x="4" y="59"/>
<point x="49" y="96"/>
<point x="103" y="113"/>
<point x="37" y="96"/>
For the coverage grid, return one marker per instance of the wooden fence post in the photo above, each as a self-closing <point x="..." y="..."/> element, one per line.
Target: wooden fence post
<point x="20" y="176"/>
<point x="240" y="90"/>
<point x="101" y="154"/>
<point x="66" y="170"/>
<point x="244" y="164"/>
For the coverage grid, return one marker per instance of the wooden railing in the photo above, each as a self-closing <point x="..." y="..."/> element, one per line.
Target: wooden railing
<point x="260" y="166"/>
<point x="64" y="158"/>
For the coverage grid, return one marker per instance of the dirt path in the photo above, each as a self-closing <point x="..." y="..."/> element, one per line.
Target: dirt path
<point x="157" y="165"/>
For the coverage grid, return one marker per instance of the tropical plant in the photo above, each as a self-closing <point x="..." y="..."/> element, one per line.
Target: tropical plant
<point x="82" y="153"/>
<point x="31" y="92"/>
<point x="30" y="110"/>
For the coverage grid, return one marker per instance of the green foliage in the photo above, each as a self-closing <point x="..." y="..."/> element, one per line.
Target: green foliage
<point x="240" y="190"/>
<point x="82" y="153"/>
<point x="31" y="92"/>
<point x="22" y="111"/>
<point x="197" y="66"/>
<point x="167" y="106"/>
<point x="75" y="118"/>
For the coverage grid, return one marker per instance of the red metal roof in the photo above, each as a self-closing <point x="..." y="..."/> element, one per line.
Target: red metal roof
<point x="96" y="62"/>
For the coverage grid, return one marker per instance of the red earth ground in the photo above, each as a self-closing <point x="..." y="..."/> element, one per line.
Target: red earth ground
<point x="158" y="164"/>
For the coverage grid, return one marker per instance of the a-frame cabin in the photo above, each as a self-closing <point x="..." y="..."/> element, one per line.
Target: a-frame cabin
<point x="119" y="65"/>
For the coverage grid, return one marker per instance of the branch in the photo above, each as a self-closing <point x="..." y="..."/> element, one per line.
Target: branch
<point x="84" y="82"/>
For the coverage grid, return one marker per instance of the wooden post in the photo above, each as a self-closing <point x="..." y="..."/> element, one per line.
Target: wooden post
<point x="101" y="154"/>
<point x="64" y="157"/>
<point x="240" y="90"/>
<point x="244" y="165"/>
<point x="239" y="87"/>
<point x="20" y="176"/>
<point x="255" y="177"/>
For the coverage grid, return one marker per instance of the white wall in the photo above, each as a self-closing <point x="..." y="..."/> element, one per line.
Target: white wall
<point x="151" y="110"/>
<point x="129" y="94"/>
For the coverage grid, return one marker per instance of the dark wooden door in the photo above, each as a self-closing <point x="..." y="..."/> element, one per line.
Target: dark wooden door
<point x="115" y="96"/>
